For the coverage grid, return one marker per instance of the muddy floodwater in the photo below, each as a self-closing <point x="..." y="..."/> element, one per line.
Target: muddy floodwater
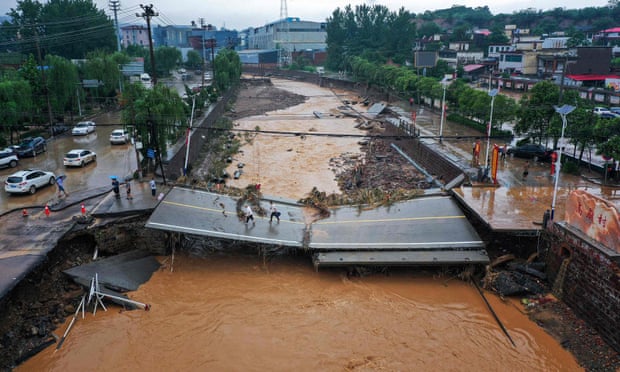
<point x="234" y="312"/>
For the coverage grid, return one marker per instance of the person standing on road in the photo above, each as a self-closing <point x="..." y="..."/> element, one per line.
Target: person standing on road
<point x="153" y="187"/>
<point x="61" y="186"/>
<point x="476" y="153"/>
<point x="274" y="212"/>
<point x="247" y="210"/>
<point x="116" y="187"/>
<point x="526" y="169"/>
<point x="128" y="187"/>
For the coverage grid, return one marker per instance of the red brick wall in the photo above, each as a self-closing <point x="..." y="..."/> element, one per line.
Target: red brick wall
<point x="591" y="285"/>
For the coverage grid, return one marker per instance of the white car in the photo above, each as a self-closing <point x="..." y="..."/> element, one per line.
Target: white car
<point x="601" y="110"/>
<point x="28" y="180"/>
<point x="119" y="136"/>
<point x="83" y="128"/>
<point x="8" y="158"/>
<point x="79" y="158"/>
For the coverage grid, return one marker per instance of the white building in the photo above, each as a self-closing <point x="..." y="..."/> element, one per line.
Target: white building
<point x="290" y="34"/>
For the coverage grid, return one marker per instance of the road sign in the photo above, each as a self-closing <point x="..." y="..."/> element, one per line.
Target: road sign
<point x="91" y="83"/>
<point x="150" y="153"/>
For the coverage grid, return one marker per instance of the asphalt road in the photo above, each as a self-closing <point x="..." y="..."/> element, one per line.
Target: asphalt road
<point x="429" y="223"/>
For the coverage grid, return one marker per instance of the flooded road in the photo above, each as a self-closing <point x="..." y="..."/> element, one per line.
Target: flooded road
<point x="234" y="313"/>
<point x="117" y="160"/>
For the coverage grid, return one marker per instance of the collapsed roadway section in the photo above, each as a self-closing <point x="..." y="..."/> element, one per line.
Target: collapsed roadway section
<point x="429" y="230"/>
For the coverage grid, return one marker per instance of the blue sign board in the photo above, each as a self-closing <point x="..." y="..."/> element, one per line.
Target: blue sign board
<point x="150" y="153"/>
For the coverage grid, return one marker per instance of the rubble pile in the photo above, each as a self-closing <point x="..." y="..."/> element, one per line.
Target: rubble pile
<point x="382" y="168"/>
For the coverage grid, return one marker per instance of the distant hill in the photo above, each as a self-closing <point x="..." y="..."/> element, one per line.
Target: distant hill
<point x="590" y="19"/>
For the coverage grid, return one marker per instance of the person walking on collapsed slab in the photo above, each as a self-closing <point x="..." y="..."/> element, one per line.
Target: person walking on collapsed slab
<point x="274" y="212"/>
<point x="247" y="210"/>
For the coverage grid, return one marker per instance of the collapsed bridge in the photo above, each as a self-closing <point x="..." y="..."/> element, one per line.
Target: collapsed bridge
<point x="429" y="230"/>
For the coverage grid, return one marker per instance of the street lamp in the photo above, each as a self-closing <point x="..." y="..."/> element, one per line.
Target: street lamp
<point x="563" y="111"/>
<point x="492" y="93"/>
<point x="444" y="82"/>
<point x="189" y="135"/>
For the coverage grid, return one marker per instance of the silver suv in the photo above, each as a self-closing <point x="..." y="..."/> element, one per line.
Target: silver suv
<point x="119" y="136"/>
<point x="28" y="180"/>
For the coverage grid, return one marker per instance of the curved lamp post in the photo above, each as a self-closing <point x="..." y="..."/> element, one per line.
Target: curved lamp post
<point x="189" y="134"/>
<point x="563" y="111"/>
<point x="492" y="93"/>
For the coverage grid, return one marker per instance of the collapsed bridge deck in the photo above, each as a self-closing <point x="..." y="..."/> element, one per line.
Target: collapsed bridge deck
<point x="430" y="230"/>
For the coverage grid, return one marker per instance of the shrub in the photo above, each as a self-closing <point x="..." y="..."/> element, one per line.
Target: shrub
<point x="570" y="167"/>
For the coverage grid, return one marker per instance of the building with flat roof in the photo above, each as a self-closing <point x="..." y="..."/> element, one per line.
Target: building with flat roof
<point x="290" y="34"/>
<point x="134" y="35"/>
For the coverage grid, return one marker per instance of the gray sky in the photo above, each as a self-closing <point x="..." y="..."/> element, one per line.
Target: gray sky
<point x="239" y="14"/>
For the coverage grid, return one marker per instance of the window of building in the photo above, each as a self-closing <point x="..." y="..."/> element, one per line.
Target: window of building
<point x="513" y="58"/>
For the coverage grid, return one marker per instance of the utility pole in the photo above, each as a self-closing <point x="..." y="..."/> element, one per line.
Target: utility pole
<point x="147" y="14"/>
<point x="115" y="6"/>
<point x="204" y="57"/>
<point x="43" y="77"/>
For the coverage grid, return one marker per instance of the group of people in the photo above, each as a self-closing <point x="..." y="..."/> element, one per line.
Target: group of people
<point x="249" y="214"/>
<point x="116" y="187"/>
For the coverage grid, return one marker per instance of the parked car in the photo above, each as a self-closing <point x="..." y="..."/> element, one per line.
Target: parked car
<point x="609" y="115"/>
<point x="79" y="158"/>
<point x="59" y="128"/>
<point x="119" y="136"/>
<point x="28" y="180"/>
<point x="31" y="147"/>
<point x="600" y="110"/>
<point x="8" y="158"/>
<point x="83" y="128"/>
<point x="531" y="150"/>
<point x="615" y="110"/>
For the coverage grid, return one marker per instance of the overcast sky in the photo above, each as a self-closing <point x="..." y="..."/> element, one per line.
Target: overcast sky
<point x="240" y="14"/>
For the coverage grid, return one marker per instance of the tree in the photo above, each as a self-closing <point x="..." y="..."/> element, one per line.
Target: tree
<point x="25" y="27"/>
<point x="227" y="69"/>
<point x="67" y="28"/>
<point x="371" y="32"/>
<point x="194" y="60"/>
<point x="105" y="68"/>
<point x="31" y="73"/>
<point x="166" y="60"/>
<point x="537" y="110"/>
<point x="158" y="115"/>
<point x="15" y="106"/>
<point x="62" y="80"/>
<point x="429" y="29"/>
<point x="73" y="28"/>
<point x="607" y="138"/>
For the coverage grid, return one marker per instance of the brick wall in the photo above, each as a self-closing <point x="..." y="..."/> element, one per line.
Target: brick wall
<point x="591" y="281"/>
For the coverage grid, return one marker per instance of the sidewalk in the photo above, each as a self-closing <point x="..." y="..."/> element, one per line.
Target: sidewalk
<point x="515" y="204"/>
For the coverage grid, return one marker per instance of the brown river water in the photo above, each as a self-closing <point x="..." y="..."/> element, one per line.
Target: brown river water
<point x="234" y="312"/>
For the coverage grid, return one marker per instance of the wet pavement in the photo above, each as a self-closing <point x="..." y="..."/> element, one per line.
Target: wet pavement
<point x="514" y="203"/>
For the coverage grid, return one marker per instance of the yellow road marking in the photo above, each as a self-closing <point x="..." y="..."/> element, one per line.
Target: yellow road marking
<point x="327" y="222"/>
